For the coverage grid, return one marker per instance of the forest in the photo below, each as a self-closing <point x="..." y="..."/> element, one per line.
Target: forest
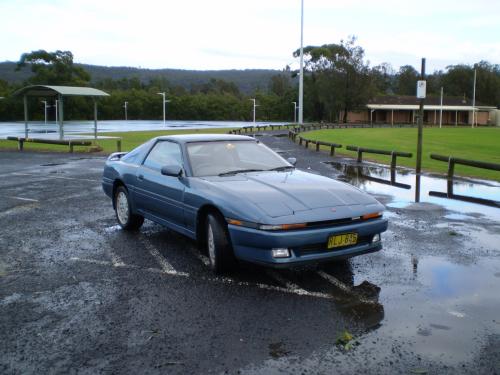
<point x="337" y="79"/>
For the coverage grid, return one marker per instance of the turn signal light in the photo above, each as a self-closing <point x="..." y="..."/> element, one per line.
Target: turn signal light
<point x="371" y="216"/>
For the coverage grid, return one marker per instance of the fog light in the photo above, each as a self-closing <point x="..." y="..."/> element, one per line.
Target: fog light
<point x="376" y="238"/>
<point x="280" y="253"/>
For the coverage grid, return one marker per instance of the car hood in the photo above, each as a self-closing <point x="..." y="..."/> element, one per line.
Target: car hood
<point x="287" y="193"/>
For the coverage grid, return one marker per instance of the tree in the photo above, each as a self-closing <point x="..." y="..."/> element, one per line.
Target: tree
<point x="53" y="68"/>
<point x="406" y="80"/>
<point x="383" y="78"/>
<point x="341" y="76"/>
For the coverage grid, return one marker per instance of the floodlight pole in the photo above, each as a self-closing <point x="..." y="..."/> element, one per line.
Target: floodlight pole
<point x="294" y="112"/>
<point x="25" y="99"/>
<point x="301" y="76"/>
<point x="125" y="106"/>
<point x="441" y="110"/>
<point x="164" y="105"/>
<point x="419" y="139"/>
<point x="254" y="106"/>
<point x="45" y="110"/>
<point x="474" y="100"/>
<point x="56" y="106"/>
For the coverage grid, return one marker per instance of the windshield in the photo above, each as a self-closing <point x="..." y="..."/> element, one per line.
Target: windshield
<point x="227" y="157"/>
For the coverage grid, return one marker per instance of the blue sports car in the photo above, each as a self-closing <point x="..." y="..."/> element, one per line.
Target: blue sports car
<point x="241" y="201"/>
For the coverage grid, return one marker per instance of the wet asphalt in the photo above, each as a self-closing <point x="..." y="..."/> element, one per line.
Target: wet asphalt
<point x="78" y="295"/>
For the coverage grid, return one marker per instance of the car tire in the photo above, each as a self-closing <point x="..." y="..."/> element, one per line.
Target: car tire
<point x="124" y="215"/>
<point x="219" y="249"/>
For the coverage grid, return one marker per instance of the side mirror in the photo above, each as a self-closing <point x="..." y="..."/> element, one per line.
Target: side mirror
<point x="292" y="161"/>
<point x="172" y="170"/>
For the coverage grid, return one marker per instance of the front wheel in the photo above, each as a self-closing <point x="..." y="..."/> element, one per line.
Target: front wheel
<point x="219" y="248"/>
<point x="124" y="215"/>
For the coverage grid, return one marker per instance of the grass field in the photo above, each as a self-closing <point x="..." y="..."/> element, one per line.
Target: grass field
<point x="129" y="140"/>
<point x="477" y="144"/>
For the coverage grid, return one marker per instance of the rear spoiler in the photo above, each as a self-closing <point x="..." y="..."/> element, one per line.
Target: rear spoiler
<point x="117" y="155"/>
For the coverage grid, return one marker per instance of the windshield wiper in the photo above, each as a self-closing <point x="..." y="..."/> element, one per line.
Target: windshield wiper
<point x="239" y="171"/>
<point x="282" y="168"/>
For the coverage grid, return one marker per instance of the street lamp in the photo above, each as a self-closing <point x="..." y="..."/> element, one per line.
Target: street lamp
<point x="294" y="112"/>
<point x="254" y="106"/>
<point x="125" y="107"/>
<point x="165" y="101"/>
<point x="56" y="107"/>
<point x="45" y="106"/>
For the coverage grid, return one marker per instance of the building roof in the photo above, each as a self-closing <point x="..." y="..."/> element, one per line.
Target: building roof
<point x="45" y="90"/>
<point x="430" y="103"/>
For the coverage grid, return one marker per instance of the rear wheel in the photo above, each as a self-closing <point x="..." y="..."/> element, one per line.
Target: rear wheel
<point x="124" y="215"/>
<point x="219" y="248"/>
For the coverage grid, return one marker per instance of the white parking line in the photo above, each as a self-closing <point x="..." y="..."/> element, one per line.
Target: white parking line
<point x="294" y="288"/>
<point x="23" y="199"/>
<point x="203" y="258"/>
<point x="345" y="288"/>
<point x="224" y="280"/>
<point x="164" y="264"/>
<point x="116" y="260"/>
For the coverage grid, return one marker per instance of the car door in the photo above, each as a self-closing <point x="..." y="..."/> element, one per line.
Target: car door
<point x="160" y="195"/>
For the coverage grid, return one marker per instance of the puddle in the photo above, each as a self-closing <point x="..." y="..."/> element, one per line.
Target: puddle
<point x="451" y="312"/>
<point x="467" y="196"/>
<point x="277" y="350"/>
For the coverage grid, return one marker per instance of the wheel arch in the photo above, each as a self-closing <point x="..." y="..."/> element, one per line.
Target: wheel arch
<point x="201" y="217"/>
<point x="116" y="184"/>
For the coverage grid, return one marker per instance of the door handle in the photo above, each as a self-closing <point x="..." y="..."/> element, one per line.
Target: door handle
<point x="140" y="177"/>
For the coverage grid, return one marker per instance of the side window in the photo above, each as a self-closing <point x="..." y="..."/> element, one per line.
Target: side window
<point x="164" y="153"/>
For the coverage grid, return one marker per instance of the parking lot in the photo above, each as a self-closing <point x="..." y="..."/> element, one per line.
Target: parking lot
<point x="79" y="294"/>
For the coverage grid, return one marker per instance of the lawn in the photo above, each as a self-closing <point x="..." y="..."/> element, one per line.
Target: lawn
<point x="130" y="140"/>
<point x="477" y="144"/>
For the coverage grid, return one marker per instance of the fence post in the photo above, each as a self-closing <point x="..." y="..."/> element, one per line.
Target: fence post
<point x="70" y="147"/>
<point x="393" y="160"/>
<point x="332" y="150"/>
<point x="317" y="146"/>
<point x="119" y="145"/>
<point x="360" y="155"/>
<point x="307" y="143"/>
<point x="451" y="168"/>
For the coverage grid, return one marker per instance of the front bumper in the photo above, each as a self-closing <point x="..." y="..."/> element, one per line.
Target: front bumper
<point x="306" y="246"/>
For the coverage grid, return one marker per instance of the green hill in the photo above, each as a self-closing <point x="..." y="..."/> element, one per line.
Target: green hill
<point x="247" y="80"/>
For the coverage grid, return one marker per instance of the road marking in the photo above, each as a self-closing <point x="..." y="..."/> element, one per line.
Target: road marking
<point x="203" y="258"/>
<point x="23" y="199"/>
<point x="294" y="288"/>
<point x="345" y="288"/>
<point x="225" y="280"/>
<point x="18" y="209"/>
<point x="116" y="260"/>
<point x="164" y="264"/>
<point x="54" y="177"/>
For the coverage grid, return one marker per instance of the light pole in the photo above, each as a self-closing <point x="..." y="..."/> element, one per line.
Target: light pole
<point x="125" y="107"/>
<point x="294" y="112"/>
<point x="441" y="109"/>
<point x="164" y="104"/>
<point x="56" y="107"/>
<point x="301" y="77"/>
<point x="474" y="100"/>
<point x="254" y="106"/>
<point x="45" y="109"/>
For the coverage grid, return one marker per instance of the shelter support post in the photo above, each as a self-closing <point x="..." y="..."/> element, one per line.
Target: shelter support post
<point x="392" y="117"/>
<point x="25" y="98"/>
<point x="456" y="118"/>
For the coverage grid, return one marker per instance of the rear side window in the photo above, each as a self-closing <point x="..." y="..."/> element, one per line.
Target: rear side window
<point x="164" y="153"/>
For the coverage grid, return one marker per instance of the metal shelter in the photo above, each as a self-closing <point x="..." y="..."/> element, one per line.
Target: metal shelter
<point x="60" y="92"/>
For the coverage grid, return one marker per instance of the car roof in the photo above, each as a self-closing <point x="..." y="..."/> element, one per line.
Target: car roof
<point x="187" y="138"/>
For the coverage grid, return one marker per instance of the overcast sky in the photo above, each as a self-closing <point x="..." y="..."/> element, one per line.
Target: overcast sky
<point x="245" y="34"/>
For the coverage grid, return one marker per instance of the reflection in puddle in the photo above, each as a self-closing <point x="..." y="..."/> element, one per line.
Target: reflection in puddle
<point x="400" y="185"/>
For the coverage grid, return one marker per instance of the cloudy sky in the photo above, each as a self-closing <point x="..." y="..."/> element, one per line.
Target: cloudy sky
<point x="240" y="34"/>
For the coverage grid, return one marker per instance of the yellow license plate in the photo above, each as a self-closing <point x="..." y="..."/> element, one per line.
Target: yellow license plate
<point x="340" y="240"/>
